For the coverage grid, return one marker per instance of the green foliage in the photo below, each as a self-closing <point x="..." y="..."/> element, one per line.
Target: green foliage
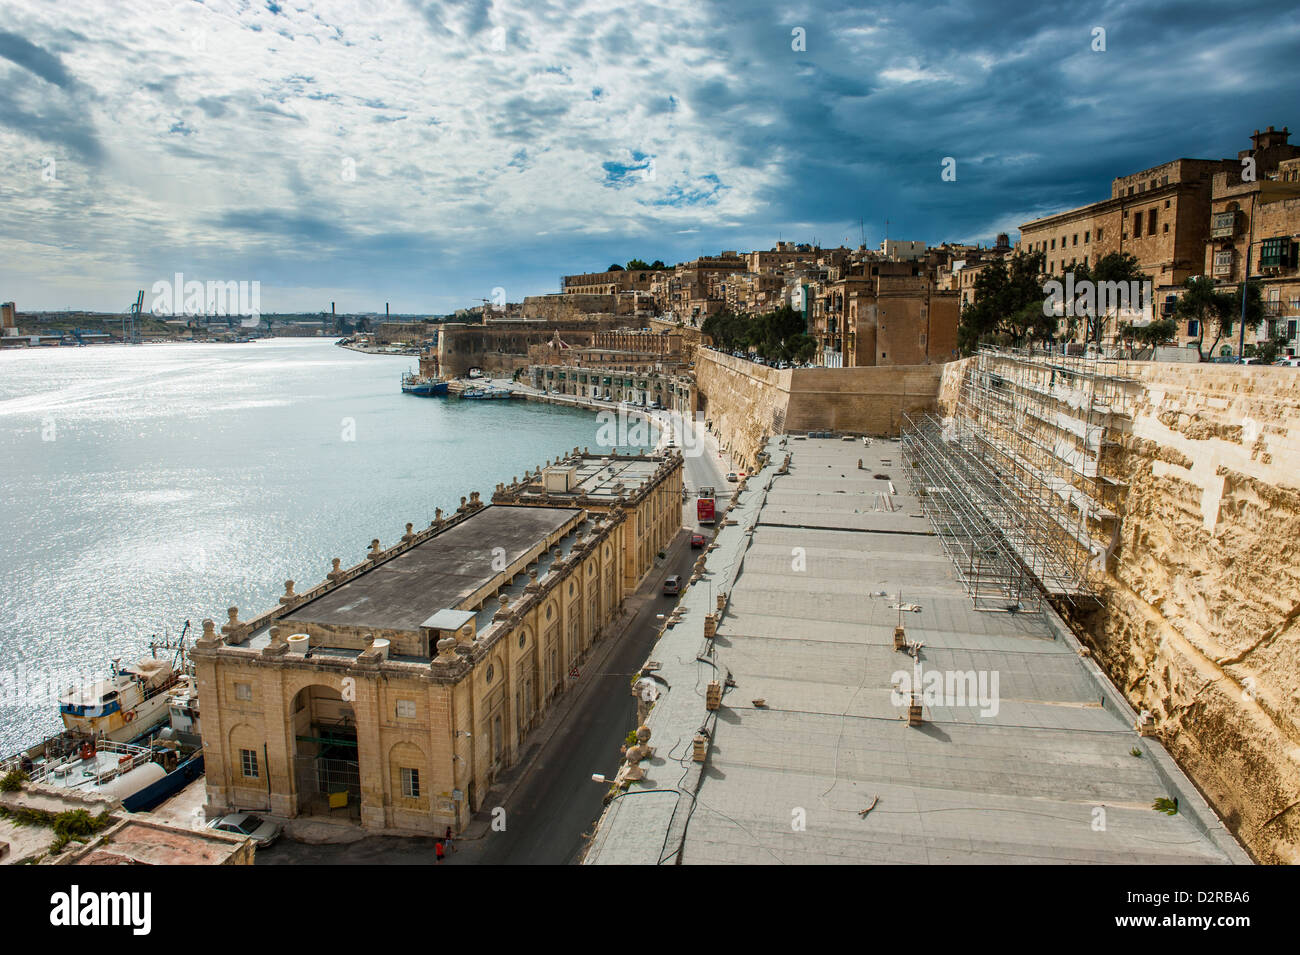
<point x="1268" y="351"/>
<point x="13" y="781"/>
<point x="1168" y="806"/>
<point x="1217" y="309"/>
<point x="1135" y="752"/>
<point x="76" y="824"/>
<point x="631" y="738"/>
<point x="1119" y="267"/>
<point x="1161" y="332"/>
<point x="614" y="267"/>
<point x="1008" y="305"/>
<point x="777" y="336"/>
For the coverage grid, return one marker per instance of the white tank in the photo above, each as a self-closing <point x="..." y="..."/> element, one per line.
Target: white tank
<point x="132" y="781"/>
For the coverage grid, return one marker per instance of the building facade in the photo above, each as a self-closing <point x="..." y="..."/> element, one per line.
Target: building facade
<point x="395" y="692"/>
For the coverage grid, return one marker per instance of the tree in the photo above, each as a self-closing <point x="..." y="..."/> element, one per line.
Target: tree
<point x="638" y="265"/>
<point x="1160" y="332"/>
<point x="1217" y="309"/>
<point x="1111" y="273"/>
<point x="658" y="265"/>
<point x="614" y="267"/>
<point x="1000" y="313"/>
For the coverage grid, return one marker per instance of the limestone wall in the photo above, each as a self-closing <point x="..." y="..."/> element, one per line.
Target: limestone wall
<point x="746" y="402"/>
<point x="1199" y="616"/>
<point x="1200" y="619"/>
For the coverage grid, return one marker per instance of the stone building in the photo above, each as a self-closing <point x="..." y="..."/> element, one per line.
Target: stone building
<point x="1256" y="224"/>
<point x="891" y="314"/>
<point x="607" y="283"/>
<point x="673" y="391"/>
<point x="395" y="692"/>
<point x="1161" y="215"/>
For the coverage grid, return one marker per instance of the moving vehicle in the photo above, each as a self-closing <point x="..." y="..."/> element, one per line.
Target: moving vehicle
<point x="731" y="477"/>
<point x="261" y="831"/>
<point x="705" y="509"/>
<point x="672" y="586"/>
<point x="697" y="541"/>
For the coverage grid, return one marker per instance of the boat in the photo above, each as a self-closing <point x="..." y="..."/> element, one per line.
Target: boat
<point x="134" y="737"/>
<point x="423" y="386"/>
<point x="489" y="393"/>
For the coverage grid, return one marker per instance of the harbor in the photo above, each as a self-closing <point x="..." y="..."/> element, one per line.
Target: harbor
<point x="145" y="490"/>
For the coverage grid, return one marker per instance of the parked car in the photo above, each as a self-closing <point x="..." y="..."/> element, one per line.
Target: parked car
<point x="672" y="586"/>
<point x="261" y="831"/>
<point x="697" y="541"/>
<point x="732" y="477"/>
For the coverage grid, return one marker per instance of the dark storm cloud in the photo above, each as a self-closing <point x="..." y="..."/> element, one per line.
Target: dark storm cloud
<point x="31" y="57"/>
<point x="1034" y="117"/>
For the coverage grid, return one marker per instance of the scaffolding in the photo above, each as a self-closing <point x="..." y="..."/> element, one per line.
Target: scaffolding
<point x="1015" y="482"/>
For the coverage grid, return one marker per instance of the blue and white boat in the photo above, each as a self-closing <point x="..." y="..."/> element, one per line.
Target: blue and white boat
<point x="423" y="387"/>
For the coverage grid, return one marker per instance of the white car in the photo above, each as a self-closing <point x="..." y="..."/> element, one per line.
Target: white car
<point x="246" y="824"/>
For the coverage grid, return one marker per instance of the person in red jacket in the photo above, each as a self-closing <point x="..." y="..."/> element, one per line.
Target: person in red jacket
<point x="438" y="850"/>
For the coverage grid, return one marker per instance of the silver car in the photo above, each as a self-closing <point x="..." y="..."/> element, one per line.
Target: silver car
<point x="261" y="831"/>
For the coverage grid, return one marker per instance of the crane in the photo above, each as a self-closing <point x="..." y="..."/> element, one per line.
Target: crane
<point x="132" y="316"/>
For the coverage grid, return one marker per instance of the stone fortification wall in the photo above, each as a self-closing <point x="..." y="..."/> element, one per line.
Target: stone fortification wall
<point x="1199" y="621"/>
<point x="1201" y="625"/>
<point x="500" y="348"/>
<point x="746" y="401"/>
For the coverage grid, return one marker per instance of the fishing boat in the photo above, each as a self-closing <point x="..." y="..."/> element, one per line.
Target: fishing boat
<point x="473" y="393"/>
<point x="140" y="759"/>
<point x="423" y="386"/>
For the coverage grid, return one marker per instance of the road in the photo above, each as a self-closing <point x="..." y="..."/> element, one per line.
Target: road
<point x="555" y="803"/>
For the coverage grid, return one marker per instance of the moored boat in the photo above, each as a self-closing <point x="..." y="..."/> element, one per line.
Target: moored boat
<point x="423" y="386"/>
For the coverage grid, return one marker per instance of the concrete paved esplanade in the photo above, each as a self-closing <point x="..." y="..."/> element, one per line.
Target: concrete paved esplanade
<point x="790" y="724"/>
<point x="394" y="692"/>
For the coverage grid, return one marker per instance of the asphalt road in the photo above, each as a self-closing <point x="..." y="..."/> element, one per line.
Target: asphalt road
<point x="555" y="805"/>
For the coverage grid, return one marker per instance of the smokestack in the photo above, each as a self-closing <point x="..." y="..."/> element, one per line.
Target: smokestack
<point x="385" y="310"/>
<point x="331" y="308"/>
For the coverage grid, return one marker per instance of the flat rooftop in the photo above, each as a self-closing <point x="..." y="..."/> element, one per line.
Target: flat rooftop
<point x="439" y="573"/>
<point x="1037" y="766"/>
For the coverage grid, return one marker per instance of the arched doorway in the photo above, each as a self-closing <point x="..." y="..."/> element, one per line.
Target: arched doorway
<point x="327" y="775"/>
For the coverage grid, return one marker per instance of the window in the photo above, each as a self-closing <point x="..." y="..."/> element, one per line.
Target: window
<point x="491" y="672"/>
<point x="1137" y="223"/>
<point x="1193" y="327"/>
<point x="248" y="763"/>
<point x="410" y="783"/>
<point x="243" y="691"/>
<point x="1076" y="239"/>
<point x="1276" y="252"/>
<point x="406" y="709"/>
<point x="1099" y="231"/>
<point x="1151" y="222"/>
<point x="1086" y="237"/>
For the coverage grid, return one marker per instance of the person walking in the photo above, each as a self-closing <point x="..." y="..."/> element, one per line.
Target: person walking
<point x="447" y="839"/>
<point x="438" y="850"/>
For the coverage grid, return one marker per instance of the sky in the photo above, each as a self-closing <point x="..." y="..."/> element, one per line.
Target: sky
<point x="424" y="154"/>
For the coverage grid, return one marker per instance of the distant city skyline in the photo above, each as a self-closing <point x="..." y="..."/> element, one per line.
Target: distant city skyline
<point x="426" y="154"/>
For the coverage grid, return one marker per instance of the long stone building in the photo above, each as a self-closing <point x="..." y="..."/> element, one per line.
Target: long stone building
<point x="396" y="691"/>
